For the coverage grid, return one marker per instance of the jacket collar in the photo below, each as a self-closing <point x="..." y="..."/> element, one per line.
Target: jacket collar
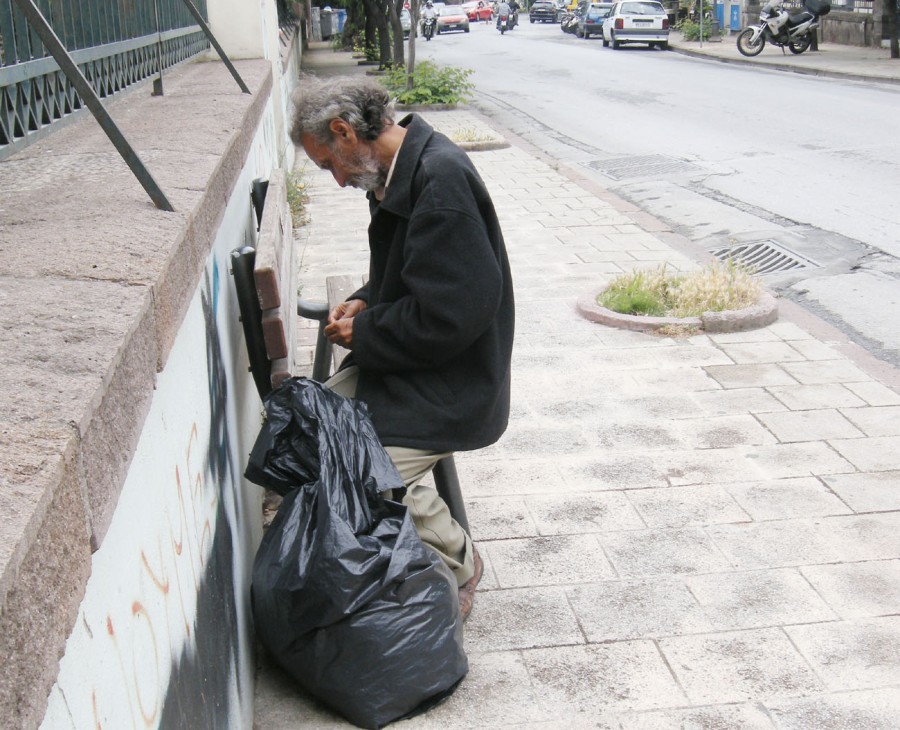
<point x="398" y="196"/>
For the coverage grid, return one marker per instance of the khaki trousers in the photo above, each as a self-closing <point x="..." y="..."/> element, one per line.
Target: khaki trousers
<point x="429" y="512"/>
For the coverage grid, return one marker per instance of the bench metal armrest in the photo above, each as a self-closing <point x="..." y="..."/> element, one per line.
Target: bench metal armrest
<point x="322" y="360"/>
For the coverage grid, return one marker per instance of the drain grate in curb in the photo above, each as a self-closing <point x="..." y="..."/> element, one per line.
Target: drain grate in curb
<point x="764" y="257"/>
<point x="619" y="168"/>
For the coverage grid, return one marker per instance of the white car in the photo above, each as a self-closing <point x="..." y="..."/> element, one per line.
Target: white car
<point x="637" y="21"/>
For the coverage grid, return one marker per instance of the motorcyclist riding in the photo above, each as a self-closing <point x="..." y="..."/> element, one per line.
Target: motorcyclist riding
<point x="429" y="19"/>
<point x="513" y="13"/>
<point x="502" y="11"/>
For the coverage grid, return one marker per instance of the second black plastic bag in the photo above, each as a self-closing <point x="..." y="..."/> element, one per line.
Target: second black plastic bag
<point x="346" y="597"/>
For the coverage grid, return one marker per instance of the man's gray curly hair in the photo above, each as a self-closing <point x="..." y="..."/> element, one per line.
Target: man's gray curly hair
<point x="364" y="104"/>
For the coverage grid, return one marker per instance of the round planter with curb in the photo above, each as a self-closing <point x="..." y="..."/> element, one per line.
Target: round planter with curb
<point x="763" y="313"/>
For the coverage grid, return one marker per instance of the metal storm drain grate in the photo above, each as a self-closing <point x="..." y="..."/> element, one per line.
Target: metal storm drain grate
<point x="620" y="168"/>
<point x="764" y="257"/>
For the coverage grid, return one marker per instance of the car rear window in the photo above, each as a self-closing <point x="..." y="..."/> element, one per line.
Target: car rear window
<point x="642" y="8"/>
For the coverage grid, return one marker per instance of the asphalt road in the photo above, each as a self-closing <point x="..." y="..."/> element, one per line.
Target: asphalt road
<point x="801" y="169"/>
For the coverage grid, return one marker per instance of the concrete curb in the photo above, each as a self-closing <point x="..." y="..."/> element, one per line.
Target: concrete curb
<point x="426" y="107"/>
<point x="485" y="146"/>
<point x="761" y="314"/>
<point x="765" y="65"/>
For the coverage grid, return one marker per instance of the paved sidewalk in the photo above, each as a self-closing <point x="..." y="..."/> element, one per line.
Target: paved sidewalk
<point x="700" y="532"/>
<point x="832" y="59"/>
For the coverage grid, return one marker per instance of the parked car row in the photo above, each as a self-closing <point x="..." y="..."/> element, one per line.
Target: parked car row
<point x="590" y="22"/>
<point x="626" y="21"/>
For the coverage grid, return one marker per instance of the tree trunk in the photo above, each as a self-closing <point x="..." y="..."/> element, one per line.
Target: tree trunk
<point x="354" y="24"/>
<point x="893" y="15"/>
<point x="414" y="22"/>
<point x="385" y="58"/>
<point x="373" y="34"/>
<point x="394" y="8"/>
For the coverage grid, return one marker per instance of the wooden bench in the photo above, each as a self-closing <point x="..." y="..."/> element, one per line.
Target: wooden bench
<point x="265" y="282"/>
<point x="328" y="358"/>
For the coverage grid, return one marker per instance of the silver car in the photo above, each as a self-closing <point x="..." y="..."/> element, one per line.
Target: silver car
<point x="637" y="21"/>
<point x="405" y="22"/>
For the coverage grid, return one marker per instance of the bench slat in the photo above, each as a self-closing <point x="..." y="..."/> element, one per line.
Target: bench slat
<point x="338" y="288"/>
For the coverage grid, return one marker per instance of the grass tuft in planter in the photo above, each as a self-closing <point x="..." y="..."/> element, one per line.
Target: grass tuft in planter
<point x="717" y="287"/>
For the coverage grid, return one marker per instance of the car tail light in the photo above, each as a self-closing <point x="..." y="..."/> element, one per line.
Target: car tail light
<point x="619" y="24"/>
<point x="665" y="23"/>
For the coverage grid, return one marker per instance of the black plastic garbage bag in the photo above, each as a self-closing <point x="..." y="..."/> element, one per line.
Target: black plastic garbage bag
<point x="345" y="596"/>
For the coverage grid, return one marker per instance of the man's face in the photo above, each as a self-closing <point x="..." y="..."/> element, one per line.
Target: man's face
<point x="350" y="161"/>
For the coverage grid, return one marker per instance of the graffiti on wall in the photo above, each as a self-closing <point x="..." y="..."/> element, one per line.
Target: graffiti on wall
<point x="159" y="642"/>
<point x="198" y="691"/>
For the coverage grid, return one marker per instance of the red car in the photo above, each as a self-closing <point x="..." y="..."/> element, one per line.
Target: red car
<point x="476" y="13"/>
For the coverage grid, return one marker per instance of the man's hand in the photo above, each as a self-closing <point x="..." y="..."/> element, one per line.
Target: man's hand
<point x="339" y="330"/>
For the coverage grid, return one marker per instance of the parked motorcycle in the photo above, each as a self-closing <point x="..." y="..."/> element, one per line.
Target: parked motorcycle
<point x="569" y="23"/>
<point x="428" y="28"/>
<point x="781" y="28"/>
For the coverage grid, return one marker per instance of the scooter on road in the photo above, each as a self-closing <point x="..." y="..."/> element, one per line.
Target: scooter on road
<point x="428" y="28"/>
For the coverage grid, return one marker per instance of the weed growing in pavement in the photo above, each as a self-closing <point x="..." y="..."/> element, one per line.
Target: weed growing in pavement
<point x="297" y="197"/>
<point x="717" y="287"/>
<point x="640" y="292"/>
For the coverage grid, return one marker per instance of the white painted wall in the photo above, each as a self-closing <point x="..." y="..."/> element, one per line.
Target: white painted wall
<point x="243" y="27"/>
<point x="163" y="636"/>
<point x="249" y="29"/>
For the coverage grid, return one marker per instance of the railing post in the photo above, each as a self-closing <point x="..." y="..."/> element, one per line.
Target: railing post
<point x="158" y="82"/>
<point x="215" y="44"/>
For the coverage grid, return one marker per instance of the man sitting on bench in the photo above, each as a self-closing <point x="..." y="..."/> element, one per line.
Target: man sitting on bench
<point x="430" y="334"/>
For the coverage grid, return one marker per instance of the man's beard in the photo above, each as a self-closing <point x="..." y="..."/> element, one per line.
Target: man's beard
<point x="368" y="175"/>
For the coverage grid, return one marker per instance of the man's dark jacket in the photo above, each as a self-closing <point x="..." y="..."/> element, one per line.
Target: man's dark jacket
<point x="434" y="343"/>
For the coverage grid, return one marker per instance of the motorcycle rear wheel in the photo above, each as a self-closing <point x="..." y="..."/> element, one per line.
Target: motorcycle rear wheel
<point x="800" y="45"/>
<point x="744" y="45"/>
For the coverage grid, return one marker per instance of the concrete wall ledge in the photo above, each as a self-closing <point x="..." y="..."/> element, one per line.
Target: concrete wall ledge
<point x="94" y="284"/>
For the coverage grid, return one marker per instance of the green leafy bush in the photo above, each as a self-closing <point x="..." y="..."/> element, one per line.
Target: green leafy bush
<point x="432" y="84"/>
<point x="691" y="29"/>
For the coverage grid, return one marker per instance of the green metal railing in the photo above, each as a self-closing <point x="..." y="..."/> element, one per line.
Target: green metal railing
<point x="115" y="43"/>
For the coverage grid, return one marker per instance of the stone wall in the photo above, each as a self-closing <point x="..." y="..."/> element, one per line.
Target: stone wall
<point x="849" y="29"/>
<point x="126" y="411"/>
